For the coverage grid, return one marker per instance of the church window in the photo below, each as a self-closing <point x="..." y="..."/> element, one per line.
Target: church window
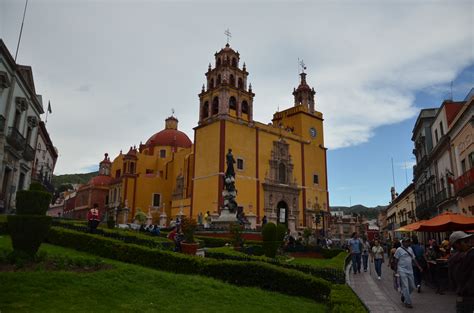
<point x="234" y="62"/>
<point x="132" y="168"/>
<point x="162" y="153"/>
<point x="316" y="179"/>
<point x="156" y="199"/>
<point x="282" y="173"/>
<point x="117" y="173"/>
<point x="245" y="107"/>
<point x="232" y="80"/>
<point x="240" y="83"/>
<point x="106" y="199"/>
<point x="205" y="110"/>
<point x="218" y="80"/>
<point x="232" y="103"/>
<point x="218" y="63"/>
<point x="215" y="106"/>
<point x="211" y="84"/>
<point x="240" y="164"/>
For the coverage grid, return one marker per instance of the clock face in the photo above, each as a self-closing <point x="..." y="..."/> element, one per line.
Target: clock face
<point x="312" y="132"/>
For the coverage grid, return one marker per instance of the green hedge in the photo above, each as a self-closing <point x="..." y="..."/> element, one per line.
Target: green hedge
<point x="257" y="274"/>
<point x="332" y="275"/>
<point x="344" y="300"/>
<point x="3" y="228"/>
<point x="28" y="232"/>
<point x="32" y="202"/>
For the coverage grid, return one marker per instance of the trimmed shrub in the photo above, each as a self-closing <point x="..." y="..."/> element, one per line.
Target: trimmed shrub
<point x="256" y="274"/>
<point x="28" y="232"/>
<point x="269" y="238"/>
<point x="344" y="300"/>
<point x="32" y="202"/>
<point x="110" y="222"/>
<point x="3" y="228"/>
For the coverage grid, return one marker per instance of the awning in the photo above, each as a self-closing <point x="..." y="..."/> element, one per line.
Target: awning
<point x="447" y="221"/>
<point x="410" y="227"/>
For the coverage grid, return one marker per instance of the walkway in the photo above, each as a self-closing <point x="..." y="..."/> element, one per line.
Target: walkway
<point x="381" y="297"/>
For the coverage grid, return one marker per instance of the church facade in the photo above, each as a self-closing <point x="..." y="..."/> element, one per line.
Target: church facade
<point x="280" y="167"/>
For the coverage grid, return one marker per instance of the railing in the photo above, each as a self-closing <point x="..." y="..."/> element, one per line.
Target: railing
<point x="15" y="139"/>
<point x="441" y="196"/>
<point x="464" y="181"/>
<point x="28" y="153"/>
<point x="403" y="223"/>
<point x="2" y="123"/>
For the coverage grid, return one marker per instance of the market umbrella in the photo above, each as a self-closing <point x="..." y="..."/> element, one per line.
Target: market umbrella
<point x="447" y="221"/>
<point x="410" y="227"/>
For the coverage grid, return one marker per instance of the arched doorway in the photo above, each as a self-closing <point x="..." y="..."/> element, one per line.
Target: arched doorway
<point x="282" y="213"/>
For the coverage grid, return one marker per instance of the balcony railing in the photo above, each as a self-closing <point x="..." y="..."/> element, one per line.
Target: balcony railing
<point x="463" y="182"/>
<point x="2" y="123"/>
<point x="441" y="196"/>
<point x="15" y="139"/>
<point x="28" y="153"/>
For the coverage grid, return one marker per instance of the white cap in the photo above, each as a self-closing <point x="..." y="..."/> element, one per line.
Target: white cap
<point x="457" y="235"/>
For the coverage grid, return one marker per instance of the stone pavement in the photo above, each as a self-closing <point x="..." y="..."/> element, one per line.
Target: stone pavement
<point x="381" y="297"/>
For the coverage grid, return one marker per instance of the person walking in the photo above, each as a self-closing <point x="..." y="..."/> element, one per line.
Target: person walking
<point x="93" y="218"/>
<point x="419" y="252"/>
<point x="461" y="275"/>
<point x="355" y="249"/>
<point x="405" y="258"/>
<point x="365" y="253"/>
<point x="206" y="220"/>
<point x="378" y="258"/>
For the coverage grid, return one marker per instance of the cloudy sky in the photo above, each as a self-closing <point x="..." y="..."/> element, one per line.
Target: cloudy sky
<point x="114" y="70"/>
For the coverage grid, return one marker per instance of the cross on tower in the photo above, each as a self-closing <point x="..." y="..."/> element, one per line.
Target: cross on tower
<point x="303" y="66"/>
<point x="172" y="112"/>
<point x="228" y="34"/>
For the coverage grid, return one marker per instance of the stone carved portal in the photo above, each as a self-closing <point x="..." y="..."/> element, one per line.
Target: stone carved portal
<point x="281" y="192"/>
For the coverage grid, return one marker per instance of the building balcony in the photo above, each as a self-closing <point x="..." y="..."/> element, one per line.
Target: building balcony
<point x="464" y="184"/>
<point x="441" y="196"/>
<point x="403" y="223"/>
<point x="2" y="123"/>
<point x="15" y="139"/>
<point x="28" y="153"/>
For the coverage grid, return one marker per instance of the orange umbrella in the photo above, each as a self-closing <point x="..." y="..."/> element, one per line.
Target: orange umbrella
<point x="414" y="226"/>
<point x="447" y="221"/>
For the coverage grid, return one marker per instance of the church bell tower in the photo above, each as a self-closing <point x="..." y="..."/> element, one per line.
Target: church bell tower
<point x="226" y="93"/>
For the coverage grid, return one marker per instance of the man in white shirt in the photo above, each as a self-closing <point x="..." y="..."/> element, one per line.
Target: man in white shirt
<point x="405" y="260"/>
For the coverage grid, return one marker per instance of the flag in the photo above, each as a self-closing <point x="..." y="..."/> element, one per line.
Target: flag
<point x="49" y="107"/>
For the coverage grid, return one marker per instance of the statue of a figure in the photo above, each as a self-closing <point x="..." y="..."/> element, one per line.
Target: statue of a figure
<point x="230" y="164"/>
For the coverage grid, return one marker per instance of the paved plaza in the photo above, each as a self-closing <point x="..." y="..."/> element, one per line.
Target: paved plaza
<point x="381" y="297"/>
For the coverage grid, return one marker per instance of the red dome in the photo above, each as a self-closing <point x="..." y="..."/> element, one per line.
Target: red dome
<point x="100" y="180"/>
<point x="169" y="137"/>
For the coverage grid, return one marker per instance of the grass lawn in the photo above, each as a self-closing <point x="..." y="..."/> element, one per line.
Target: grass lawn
<point x="337" y="262"/>
<point x="130" y="288"/>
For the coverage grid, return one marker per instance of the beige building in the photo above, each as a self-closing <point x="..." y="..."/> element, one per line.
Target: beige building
<point x="401" y="211"/>
<point x="462" y="154"/>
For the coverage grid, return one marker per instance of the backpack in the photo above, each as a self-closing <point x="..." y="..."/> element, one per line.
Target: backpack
<point x="393" y="263"/>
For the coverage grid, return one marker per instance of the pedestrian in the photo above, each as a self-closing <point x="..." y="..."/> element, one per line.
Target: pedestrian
<point x="405" y="258"/>
<point x="264" y="220"/>
<point x="93" y="218"/>
<point x="355" y="249"/>
<point x="378" y="258"/>
<point x="200" y="217"/>
<point x="206" y="218"/>
<point x="419" y="252"/>
<point x="365" y="253"/>
<point x="461" y="275"/>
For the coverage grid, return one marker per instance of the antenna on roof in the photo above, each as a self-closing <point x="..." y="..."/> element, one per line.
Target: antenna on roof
<point x="393" y="175"/>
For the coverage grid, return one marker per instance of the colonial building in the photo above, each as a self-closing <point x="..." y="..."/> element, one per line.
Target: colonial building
<point x="401" y="211"/>
<point x="20" y="109"/>
<point x="280" y="166"/>
<point x="45" y="159"/>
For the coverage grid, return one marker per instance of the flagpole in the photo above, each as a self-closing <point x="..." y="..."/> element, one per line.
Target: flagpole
<point x="21" y="30"/>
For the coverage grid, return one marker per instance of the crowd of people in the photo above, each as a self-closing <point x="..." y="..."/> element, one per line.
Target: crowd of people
<point x="448" y="264"/>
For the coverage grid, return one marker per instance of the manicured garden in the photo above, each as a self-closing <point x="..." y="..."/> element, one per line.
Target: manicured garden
<point x="132" y="288"/>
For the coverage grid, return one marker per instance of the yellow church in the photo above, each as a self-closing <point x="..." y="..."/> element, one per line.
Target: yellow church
<point x="280" y="168"/>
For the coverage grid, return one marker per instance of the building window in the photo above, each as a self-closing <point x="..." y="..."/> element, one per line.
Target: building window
<point x="132" y="168"/>
<point x="215" y="106"/>
<point x="441" y="129"/>
<point x="436" y="135"/>
<point x="156" y="199"/>
<point x="240" y="164"/>
<point x="117" y="173"/>
<point x="205" y="110"/>
<point x="162" y="153"/>
<point x="245" y="107"/>
<point x="471" y="160"/>
<point x="316" y="179"/>
<point x="21" y="183"/>
<point x="463" y="165"/>
<point x="282" y="173"/>
<point x="232" y="103"/>
<point x="149" y="171"/>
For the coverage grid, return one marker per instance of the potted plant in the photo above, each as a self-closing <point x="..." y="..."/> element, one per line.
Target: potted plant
<point x="189" y="245"/>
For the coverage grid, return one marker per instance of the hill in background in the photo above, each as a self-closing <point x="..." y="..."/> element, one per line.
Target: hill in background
<point x="66" y="179"/>
<point x="360" y="210"/>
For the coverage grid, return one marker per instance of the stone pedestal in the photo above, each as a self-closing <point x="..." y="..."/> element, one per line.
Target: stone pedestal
<point x="225" y="219"/>
<point x="292" y="224"/>
<point x="163" y="219"/>
<point x="125" y="215"/>
<point x="214" y="216"/>
<point x="272" y="218"/>
<point x="252" y="218"/>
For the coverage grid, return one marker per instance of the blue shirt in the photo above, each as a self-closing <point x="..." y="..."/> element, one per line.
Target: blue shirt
<point x="355" y="245"/>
